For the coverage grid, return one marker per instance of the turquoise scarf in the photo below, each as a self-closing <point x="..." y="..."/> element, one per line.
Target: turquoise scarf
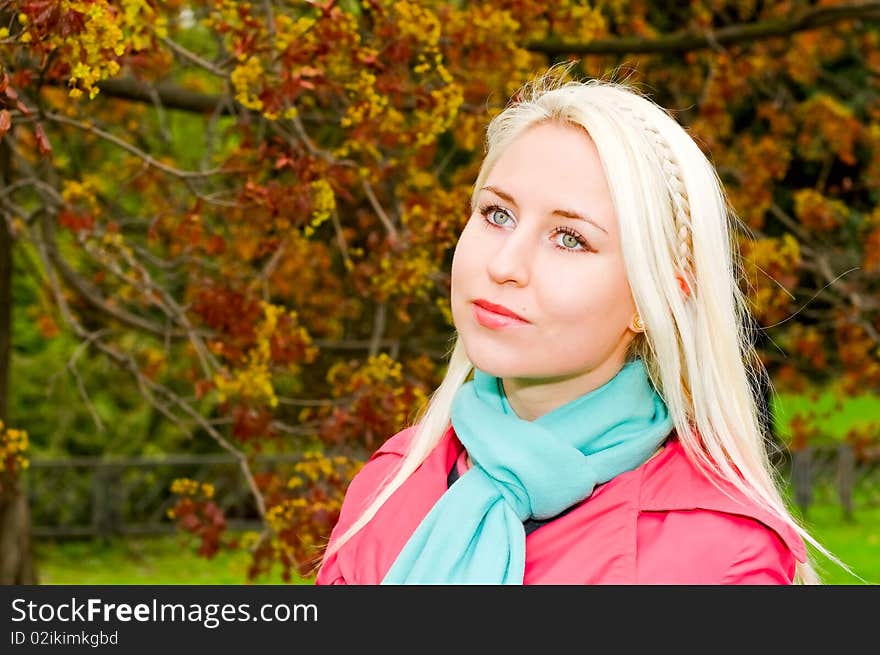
<point x="474" y="533"/>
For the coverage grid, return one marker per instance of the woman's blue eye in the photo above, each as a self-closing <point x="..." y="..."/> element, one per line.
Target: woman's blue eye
<point x="573" y="243"/>
<point x="493" y="212"/>
<point x="490" y="212"/>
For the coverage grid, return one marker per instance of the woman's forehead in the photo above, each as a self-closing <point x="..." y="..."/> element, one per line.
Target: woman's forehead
<point x="551" y="165"/>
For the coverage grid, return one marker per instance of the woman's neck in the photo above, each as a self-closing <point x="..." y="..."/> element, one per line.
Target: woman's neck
<point x="531" y="398"/>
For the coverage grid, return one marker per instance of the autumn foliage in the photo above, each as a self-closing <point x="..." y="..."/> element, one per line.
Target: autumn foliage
<point x="252" y="207"/>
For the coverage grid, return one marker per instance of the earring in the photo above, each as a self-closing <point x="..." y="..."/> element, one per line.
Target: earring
<point x="685" y="289"/>
<point x="637" y="325"/>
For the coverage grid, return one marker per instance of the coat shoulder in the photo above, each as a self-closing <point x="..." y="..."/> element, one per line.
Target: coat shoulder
<point x="673" y="483"/>
<point x="396" y="444"/>
<point x="704" y="546"/>
<point x="372" y="474"/>
<point x="358" y="495"/>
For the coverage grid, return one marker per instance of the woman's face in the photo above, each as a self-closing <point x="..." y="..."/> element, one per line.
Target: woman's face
<point x="523" y="249"/>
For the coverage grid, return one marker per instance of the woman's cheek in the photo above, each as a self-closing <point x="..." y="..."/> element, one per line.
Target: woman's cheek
<point x="467" y="261"/>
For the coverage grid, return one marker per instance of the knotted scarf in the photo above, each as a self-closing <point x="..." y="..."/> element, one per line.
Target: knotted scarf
<point x="474" y="533"/>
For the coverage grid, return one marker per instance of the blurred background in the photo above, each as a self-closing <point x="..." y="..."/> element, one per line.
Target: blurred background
<point x="228" y="228"/>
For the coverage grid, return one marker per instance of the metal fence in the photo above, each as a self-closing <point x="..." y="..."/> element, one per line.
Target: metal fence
<point x="103" y="497"/>
<point x="89" y="496"/>
<point x="833" y="475"/>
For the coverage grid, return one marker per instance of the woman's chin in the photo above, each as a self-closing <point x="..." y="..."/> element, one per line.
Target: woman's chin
<point x="500" y="362"/>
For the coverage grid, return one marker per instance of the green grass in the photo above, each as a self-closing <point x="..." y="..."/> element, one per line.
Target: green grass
<point x="856" y="544"/>
<point x="167" y="560"/>
<point x="173" y="561"/>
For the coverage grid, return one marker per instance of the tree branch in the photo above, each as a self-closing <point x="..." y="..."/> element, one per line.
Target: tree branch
<point x="148" y="159"/>
<point x="380" y="211"/>
<point x="193" y="58"/>
<point x="91" y="295"/>
<point x="171" y="95"/>
<point x="691" y="41"/>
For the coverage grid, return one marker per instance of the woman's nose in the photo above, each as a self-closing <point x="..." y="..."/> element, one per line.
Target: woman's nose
<point x="511" y="261"/>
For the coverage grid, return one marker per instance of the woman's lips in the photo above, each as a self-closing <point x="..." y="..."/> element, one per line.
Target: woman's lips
<point x="490" y="319"/>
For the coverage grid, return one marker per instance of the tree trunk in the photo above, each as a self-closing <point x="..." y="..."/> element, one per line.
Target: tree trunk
<point x="16" y="553"/>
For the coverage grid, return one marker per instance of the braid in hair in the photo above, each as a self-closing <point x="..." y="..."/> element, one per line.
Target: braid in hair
<point x="681" y="212"/>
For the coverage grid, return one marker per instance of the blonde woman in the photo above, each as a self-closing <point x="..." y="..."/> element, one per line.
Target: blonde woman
<point x="596" y="423"/>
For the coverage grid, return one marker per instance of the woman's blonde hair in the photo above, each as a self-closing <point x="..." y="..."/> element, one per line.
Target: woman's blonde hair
<point x="674" y="218"/>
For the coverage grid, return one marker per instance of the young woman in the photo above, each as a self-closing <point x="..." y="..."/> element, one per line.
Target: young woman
<point x="597" y="423"/>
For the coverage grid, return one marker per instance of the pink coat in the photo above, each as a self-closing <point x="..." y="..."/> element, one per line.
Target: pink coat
<point x="661" y="523"/>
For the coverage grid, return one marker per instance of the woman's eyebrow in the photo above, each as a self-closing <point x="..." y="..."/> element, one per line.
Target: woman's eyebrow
<point x="568" y="213"/>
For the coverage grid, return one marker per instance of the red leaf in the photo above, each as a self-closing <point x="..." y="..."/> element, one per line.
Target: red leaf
<point x="42" y="12"/>
<point x="5" y="121"/>
<point x="75" y="221"/>
<point x="42" y="140"/>
<point x="72" y="22"/>
<point x="22" y="78"/>
<point x="202" y="386"/>
<point x="216" y="245"/>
